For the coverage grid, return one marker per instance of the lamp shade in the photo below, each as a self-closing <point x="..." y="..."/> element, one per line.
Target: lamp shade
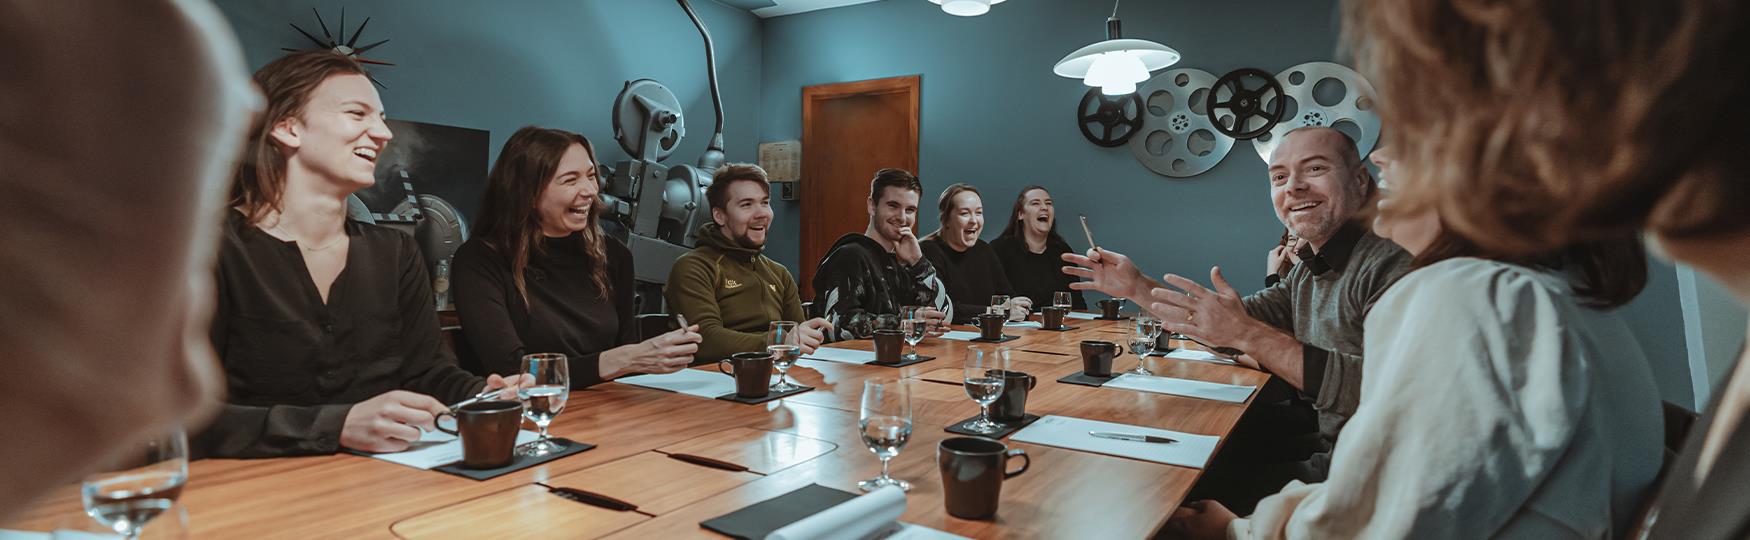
<point x="966" y="8"/>
<point x="1152" y="55"/>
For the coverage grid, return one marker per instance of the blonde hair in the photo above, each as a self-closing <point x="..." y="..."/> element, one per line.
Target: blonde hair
<point x="1534" y="124"/>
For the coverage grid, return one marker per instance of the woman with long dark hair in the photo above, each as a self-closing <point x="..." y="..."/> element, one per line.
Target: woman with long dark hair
<point x="1030" y="248"/>
<point x="541" y="276"/>
<point x="325" y="326"/>
<point x="1501" y="399"/>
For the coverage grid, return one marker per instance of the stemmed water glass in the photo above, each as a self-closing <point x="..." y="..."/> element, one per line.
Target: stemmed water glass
<point x="915" y="326"/>
<point x="1061" y="299"/>
<point x="984" y="386"/>
<point x="1147" y="329"/>
<point x="786" y="346"/>
<point x="549" y="376"/>
<point x="997" y="302"/>
<point x="885" y="422"/>
<point x="139" y="484"/>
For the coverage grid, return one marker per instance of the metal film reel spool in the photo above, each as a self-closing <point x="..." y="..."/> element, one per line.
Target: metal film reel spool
<point x="1347" y="100"/>
<point x="1177" y="138"/>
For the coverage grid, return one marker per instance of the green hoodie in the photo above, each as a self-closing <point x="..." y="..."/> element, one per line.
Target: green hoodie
<point x="733" y="293"/>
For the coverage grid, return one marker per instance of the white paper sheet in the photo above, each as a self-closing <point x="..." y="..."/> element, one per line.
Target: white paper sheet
<point x="1192" y="450"/>
<point x="866" y="516"/>
<point x="1024" y="324"/>
<point x="64" y="534"/>
<point x="1182" y="387"/>
<point x="1197" y="356"/>
<point x="436" y="449"/>
<point x="693" y="382"/>
<point x="833" y="354"/>
<point x="960" y="335"/>
<point x="1082" y="316"/>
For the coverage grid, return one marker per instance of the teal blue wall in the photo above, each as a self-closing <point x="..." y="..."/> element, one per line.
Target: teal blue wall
<point x="499" y="66"/>
<point x="992" y="112"/>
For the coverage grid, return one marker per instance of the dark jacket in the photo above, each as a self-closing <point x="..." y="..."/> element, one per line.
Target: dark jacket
<point x="859" y="280"/>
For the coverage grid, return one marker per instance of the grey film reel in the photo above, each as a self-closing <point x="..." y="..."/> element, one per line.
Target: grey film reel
<point x="1177" y="138"/>
<point x="1324" y="94"/>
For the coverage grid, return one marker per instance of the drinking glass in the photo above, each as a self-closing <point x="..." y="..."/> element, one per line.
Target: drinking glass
<point x="141" y="483"/>
<point x="1140" y="346"/>
<point x="983" y="386"/>
<point x="885" y="420"/>
<point x="1061" y="299"/>
<point x="786" y="346"/>
<point x="915" y="326"/>
<point x="997" y="301"/>
<point x="544" y="397"/>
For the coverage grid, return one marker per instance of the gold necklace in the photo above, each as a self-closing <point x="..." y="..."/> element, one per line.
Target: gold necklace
<point x="331" y="243"/>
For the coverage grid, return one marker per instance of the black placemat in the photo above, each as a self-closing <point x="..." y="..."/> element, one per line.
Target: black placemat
<point x="1006" y="337"/>
<point x="1064" y="328"/>
<point x="1008" y="428"/>
<point x="760" y="519"/>
<point x="904" y="362"/>
<point x="768" y="397"/>
<point x="517" y="463"/>
<point x="1086" y="380"/>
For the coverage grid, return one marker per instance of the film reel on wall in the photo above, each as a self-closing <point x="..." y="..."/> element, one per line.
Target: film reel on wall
<point x="1177" y="138"/>
<point x="1324" y="94"/>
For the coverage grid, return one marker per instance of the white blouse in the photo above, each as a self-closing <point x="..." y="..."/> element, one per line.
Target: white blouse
<point x="1493" y="405"/>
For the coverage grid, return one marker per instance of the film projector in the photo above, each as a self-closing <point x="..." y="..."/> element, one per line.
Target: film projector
<point x="660" y="206"/>
<point x="1182" y="122"/>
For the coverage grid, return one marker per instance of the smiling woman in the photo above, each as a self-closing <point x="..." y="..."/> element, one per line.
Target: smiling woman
<point x="1029" y="247"/>
<point x="540" y="275"/>
<point x="967" y="265"/>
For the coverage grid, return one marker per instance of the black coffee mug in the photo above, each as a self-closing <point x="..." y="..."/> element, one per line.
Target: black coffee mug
<point x="488" y="430"/>
<point x="1109" y="307"/>
<point x="1011" y="405"/>
<point x="990" y="325"/>
<point x="1051" y="317"/>
<point x="753" y="373"/>
<point x="973" y="470"/>
<point x="1097" y="357"/>
<point x="888" y="346"/>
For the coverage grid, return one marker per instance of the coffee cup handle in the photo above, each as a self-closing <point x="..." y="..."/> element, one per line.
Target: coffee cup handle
<point x="1026" y="462"/>
<point x="1032" y="381"/>
<point x="440" y="426"/>
<point x="721" y="367"/>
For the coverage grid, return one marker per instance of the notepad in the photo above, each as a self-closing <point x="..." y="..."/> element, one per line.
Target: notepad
<point x="693" y="382"/>
<point x="436" y="449"/>
<point x="1192" y="450"/>
<point x="1082" y="316"/>
<point x="1024" y="324"/>
<point x="960" y="335"/>
<point x="1197" y="356"/>
<point x="64" y="534"/>
<point x="1230" y="393"/>
<point x="847" y="356"/>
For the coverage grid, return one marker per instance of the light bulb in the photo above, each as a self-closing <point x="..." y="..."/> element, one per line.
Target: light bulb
<point x="966" y="8"/>
<point x="1118" y="89"/>
<point x="1116" y="67"/>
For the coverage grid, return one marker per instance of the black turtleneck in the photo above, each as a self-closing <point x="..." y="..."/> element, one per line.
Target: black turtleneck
<point x="972" y="276"/>
<point x="1036" y="275"/>
<point x="565" y="313"/>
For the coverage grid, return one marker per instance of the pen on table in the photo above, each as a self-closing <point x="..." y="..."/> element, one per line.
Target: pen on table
<point x="1132" y="437"/>
<point x="477" y="398"/>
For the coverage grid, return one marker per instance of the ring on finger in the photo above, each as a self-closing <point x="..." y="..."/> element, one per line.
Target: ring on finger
<point x="1190" y="316"/>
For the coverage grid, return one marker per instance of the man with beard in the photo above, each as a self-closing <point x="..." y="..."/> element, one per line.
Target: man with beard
<point x="1306" y="329"/>
<point x="865" y="276"/>
<point x="726" y="286"/>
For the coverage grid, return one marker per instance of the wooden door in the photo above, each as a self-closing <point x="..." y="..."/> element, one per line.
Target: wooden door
<point x="849" y="131"/>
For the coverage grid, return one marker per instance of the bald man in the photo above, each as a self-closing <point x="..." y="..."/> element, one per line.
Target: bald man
<point x="1305" y="329"/>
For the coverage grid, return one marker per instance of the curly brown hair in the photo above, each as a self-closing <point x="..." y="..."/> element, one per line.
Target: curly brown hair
<point x="1531" y="125"/>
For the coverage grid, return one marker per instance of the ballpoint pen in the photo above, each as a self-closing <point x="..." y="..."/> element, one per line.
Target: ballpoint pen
<point x="1088" y="232"/>
<point x="477" y="398"/>
<point x="1132" y="437"/>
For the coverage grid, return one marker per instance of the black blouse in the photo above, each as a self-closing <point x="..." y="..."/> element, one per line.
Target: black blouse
<point x="295" y="366"/>
<point x="972" y="276"/>
<point x="1036" y="275"/>
<point x="566" y="312"/>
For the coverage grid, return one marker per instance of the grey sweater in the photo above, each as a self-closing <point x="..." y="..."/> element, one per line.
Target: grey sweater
<point x="1323" y="301"/>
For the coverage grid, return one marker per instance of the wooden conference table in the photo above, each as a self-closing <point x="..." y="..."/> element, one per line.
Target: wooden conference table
<point x="789" y="443"/>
